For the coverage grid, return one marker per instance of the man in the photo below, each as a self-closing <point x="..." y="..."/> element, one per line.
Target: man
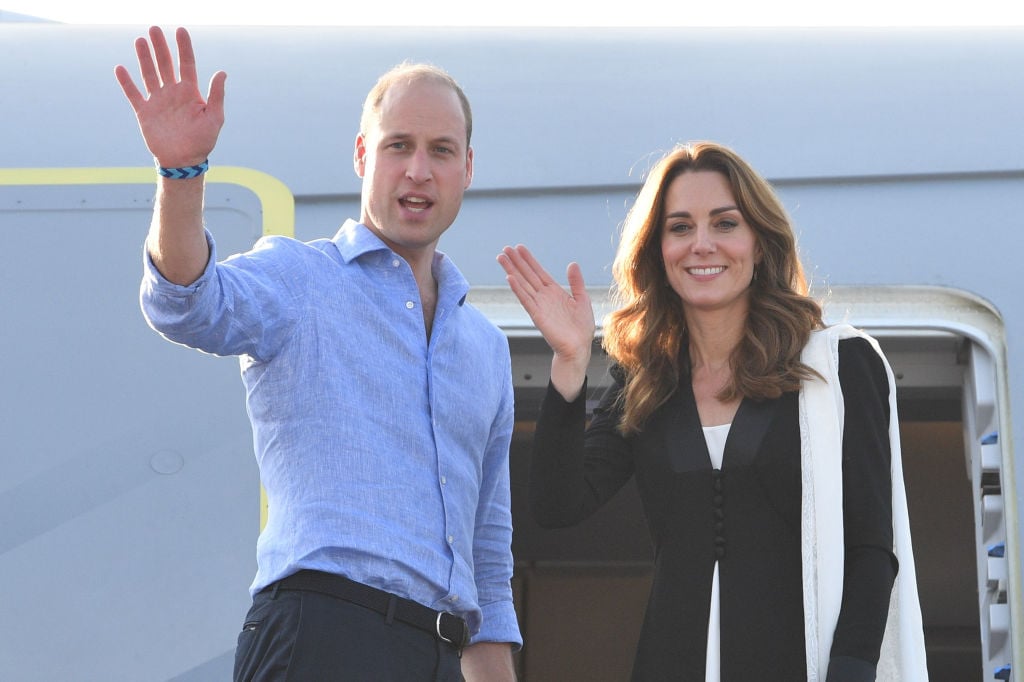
<point x="381" y="403"/>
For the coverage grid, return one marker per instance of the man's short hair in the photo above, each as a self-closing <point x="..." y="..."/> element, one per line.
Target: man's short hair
<point x="405" y="73"/>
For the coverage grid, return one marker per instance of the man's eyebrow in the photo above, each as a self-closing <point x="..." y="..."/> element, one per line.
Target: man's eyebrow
<point x="452" y="140"/>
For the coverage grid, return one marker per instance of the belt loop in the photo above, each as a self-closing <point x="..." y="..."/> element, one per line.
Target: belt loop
<point x="389" y="617"/>
<point x="277" y="586"/>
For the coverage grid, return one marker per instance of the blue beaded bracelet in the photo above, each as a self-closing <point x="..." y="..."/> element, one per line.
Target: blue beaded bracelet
<point x="185" y="173"/>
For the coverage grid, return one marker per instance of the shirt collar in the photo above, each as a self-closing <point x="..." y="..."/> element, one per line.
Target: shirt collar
<point x="354" y="240"/>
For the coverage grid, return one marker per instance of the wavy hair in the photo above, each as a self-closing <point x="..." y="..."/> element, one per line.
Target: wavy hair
<point x="647" y="331"/>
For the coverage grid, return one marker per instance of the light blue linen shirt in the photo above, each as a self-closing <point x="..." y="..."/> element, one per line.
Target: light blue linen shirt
<point x="384" y="456"/>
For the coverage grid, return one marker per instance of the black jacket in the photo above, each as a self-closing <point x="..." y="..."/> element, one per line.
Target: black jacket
<point x="746" y="516"/>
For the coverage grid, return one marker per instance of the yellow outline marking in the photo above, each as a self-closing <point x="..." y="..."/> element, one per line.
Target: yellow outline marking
<point x="276" y="201"/>
<point x="275" y="198"/>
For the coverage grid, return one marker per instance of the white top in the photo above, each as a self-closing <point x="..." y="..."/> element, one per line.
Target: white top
<point x="715" y="437"/>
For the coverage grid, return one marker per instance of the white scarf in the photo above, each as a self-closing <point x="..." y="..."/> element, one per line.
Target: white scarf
<point x="902" y="656"/>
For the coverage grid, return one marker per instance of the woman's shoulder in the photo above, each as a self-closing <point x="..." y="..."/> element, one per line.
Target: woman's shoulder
<point x="853" y="343"/>
<point x="861" y="364"/>
<point x="858" y="347"/>
<point x="859" y="356"/>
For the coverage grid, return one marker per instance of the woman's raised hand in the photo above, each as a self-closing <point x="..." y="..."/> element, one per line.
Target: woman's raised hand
<point x="564" y="318"/>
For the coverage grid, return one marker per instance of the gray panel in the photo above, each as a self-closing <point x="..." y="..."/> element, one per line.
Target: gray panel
<point x="129" y="495"/>
<point x="553" y="107"/>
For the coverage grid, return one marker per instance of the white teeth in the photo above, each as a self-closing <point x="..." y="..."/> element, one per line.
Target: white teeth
<point x="706" y="271"/>
<point x="416" y="204"/>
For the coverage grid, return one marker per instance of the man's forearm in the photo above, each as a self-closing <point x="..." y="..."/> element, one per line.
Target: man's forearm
<point x="176" y="242"/>
<point x="488" y="662"/>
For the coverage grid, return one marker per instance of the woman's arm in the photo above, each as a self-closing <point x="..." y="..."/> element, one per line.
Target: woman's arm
<point x="576" y="468"/>
<point x="870" y="565"/>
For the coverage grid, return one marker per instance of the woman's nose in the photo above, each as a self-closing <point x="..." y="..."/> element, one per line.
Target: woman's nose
<point x="703" y="241"/>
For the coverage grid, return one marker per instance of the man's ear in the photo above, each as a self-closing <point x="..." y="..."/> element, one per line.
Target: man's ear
<point x="469" y="168"/>
<point x="359" y="155"/>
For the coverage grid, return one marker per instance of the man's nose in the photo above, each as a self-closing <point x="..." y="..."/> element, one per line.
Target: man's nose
<point x="419" y="168"/>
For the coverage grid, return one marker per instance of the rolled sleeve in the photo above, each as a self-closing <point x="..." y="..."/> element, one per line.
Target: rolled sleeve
<point x="245" y="305"/>
<point x="500" y="624"/>
<point x="164" y="303"/>
<point x="493" y="538"/>
<point x="156" y="288"/>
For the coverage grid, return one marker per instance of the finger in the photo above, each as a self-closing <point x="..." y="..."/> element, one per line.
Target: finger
<point x="131" y="91"/>
<point x="525" y="293"/>
<point x="147" y="68"/>
<point x="535" y="266"/>
<point x="215" y="96"/>
<point x="186" y="57"/>
<point x="531" y="271"/>
<point x="514" y="266"/>
<point x="506" y="263"/>
<point x="162" y="53"/>
<point x="522" y="291"/>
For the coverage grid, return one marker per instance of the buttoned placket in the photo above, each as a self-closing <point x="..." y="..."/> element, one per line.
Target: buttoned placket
<point x="442" y="478"/>
<point x="718" y="511"/>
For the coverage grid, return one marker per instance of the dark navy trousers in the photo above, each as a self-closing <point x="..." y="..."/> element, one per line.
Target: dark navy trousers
<point x="297" y="636"/>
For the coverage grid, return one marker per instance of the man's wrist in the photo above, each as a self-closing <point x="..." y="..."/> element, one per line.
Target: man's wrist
<point x="183" y="172"/>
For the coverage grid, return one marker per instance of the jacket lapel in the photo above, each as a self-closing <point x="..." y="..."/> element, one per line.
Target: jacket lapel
<point x="748" y="430"/>
<point x="682" y="436"/>
<point x="686" y="447"/>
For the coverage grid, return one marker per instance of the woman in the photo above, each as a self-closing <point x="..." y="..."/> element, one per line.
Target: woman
<point x="721" y="407"/>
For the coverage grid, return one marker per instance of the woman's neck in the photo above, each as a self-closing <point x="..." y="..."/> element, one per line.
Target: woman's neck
<point x="712" y="339"/>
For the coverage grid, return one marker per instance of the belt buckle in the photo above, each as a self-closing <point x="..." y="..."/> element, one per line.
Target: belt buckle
<point x="463" y="638"/>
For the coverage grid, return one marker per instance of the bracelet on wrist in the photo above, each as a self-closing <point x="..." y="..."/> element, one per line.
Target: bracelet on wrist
<point x="185" y="173"/>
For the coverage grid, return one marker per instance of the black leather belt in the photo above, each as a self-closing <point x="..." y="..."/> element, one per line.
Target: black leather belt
<point x="444" y="625"/>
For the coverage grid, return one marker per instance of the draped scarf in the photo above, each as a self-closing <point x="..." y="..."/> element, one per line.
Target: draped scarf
<point x="902" y="657"/>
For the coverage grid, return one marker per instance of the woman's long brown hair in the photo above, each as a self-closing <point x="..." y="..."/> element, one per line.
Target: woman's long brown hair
<point x="645" y="334"/>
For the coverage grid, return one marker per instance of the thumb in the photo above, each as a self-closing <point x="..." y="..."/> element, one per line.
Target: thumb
<point x="215" y="95"/>
<point x="576" y="286"/>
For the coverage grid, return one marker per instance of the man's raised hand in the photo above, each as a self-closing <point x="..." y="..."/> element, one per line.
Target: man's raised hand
<point x="179" y="126"/>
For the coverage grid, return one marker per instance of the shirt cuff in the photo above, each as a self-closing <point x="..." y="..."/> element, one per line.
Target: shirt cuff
<point x="499" y="624"/>
<point x="154" y="281"/>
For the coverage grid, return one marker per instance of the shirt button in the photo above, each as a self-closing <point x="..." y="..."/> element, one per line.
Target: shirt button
<point x="444" y="480"/>
<point x="410" y="305"/>
<point x="394" y="263"/>
<point x="450" y="539"/>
